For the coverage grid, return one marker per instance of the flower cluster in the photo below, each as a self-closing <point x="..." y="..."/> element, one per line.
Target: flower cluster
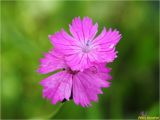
<point x="81" y="60"/>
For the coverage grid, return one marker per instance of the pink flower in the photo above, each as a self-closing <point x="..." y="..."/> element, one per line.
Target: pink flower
<point x="84" y="48"/>
<point x="80" y="62"/>
<point x="83" y="86"/>
<point x="52" y="61"/>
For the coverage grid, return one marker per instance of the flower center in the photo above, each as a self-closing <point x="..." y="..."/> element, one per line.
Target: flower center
<point x="70" y="71"/>
<point x="86" y="48"/>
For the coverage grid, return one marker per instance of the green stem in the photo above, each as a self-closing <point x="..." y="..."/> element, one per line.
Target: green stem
<point x="55" y="112"/>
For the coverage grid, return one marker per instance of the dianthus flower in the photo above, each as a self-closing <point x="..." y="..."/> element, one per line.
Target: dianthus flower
<point x="83" y="87"/>
<point x="84" y="48"/>
<point x="81" y="61"/>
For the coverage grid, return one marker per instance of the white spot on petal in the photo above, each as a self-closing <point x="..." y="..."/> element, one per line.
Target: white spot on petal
<point x="111" y="46"/>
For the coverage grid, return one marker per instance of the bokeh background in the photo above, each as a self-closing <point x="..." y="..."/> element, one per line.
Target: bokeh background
<point x="25" y="26"/>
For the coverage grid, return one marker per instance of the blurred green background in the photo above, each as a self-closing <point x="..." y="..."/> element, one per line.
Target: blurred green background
<point x="25" y="26"/>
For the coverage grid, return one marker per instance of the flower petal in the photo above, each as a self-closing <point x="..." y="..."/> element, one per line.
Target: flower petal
<point x="78" y="61"/>
<point x="57" y="87"/>
<point x="52" y="61"/>
<point x="106" y="43"/>
<point x="83" y="30"/>
<point x="63" y="42"/>
<point x="83" y="92"/>
<point x="87" y="85"/>
<point x="103" y="72"/>
<point x="99" y="75"/>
